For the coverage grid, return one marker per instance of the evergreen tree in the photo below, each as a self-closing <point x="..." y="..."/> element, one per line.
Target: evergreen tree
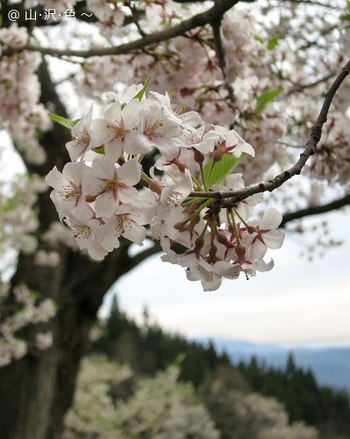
<point x="114" y="323"/>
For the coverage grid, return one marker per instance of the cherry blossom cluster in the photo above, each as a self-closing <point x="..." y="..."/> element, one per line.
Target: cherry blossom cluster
<point x="188" y="68"/>
<point x="20" y="111"/>
<point x="18" y="219"/>
<point x="332" y="158"/>
<point x="108" y="12"/>
<point x="99" y="73"/>
<point x="26" y="311"/>
<point x="106" y="192"/>
<point x="164" y="407"/>
<point x="159" y="407"/>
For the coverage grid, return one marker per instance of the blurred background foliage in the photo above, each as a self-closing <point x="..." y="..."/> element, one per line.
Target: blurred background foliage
<point x="139" y="381"/>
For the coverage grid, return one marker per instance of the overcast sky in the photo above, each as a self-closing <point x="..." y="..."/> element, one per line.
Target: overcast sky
<point x="297" y="303"/>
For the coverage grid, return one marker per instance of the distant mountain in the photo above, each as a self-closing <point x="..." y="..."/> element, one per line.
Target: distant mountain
<point x="331" y="366"/>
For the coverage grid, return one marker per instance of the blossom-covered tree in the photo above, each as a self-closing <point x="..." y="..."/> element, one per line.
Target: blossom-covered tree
<point x="159" y="121"/>
<point x="160" y="407"/>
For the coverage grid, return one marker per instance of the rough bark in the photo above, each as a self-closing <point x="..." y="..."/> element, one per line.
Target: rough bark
<point x="36" y="391"/>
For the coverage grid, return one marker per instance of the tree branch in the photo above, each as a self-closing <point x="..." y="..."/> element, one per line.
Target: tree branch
<point x="212" y="14"/>
<point x="311" y="145"/>
<point x="315" y="42"/>
<point x="315" y="210"/>
<point x="314" y="3"/>
<point x="299" y="88"/>
<point x="220" y="53"/>
<point x="144" y="254"/>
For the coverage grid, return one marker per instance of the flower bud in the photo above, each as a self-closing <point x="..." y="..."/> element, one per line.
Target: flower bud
<point x="155" y="187"/>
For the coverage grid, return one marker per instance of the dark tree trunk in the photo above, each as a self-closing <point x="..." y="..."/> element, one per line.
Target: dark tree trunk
<point x="36" y="391"/>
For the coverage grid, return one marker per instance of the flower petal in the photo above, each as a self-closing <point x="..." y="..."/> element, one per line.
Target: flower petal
<point x="130" y="172"/>
<point x="271" y="219"/>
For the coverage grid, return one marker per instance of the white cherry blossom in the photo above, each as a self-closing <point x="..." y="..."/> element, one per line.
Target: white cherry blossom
<point x="160" y="128"/>
<point x="267" y="234"/>
<point x="232" y="142"/>
<point x="87" y="236"/>
<point x="127" y="222"/>
<point x="83" y="138"/>
<point x="68" y="195"/>
<point x="112" y="184"/>
<point x="116" y="130"/>
<point x="112" y="197"/>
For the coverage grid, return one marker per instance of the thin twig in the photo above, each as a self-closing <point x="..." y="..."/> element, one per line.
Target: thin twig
<point x="315" y="3"/>
<point x="135" y="14"/>
<point x="299" y="88"/>
<point x="315" y="210"/>
<point x="220" y="53"/>
<point x="311" y="145"/>
<point x="315" y="42"/>
<point x="199" y="20"/>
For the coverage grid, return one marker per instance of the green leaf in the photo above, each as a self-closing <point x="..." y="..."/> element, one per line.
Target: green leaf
<point x="63" y="121"/>
<point x="266" y="97"/>
<point x="345" y="17"/>
<point x="99" y="150"/>
<point x="274" y="41"/>
<point x="260" y="39"/>
<point x="141" y="93"/>
<point x="221" y="169"/>
<point x="348" y="5"/>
